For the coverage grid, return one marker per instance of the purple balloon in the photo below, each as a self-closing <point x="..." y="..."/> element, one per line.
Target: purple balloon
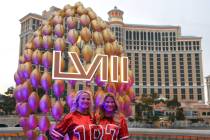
<point x="72" y="82"/>
<point x="58" y="88"/>
<point x="41" y="137"/>
<point x="23" y="123"/>
<point x="24" y="109"/>
<point x="26" y="91"/>
<point x="32" y="121"/>
<point x="69" y="100"/>
<point x="33" y="101"/>
<point x="18" y="107"/>
<point x="57" y="110"/>
<point x="18" y="93"/>
<point x="99" y="82"/>
<point x="31" y="134"/>
<point x="17" y="79"/>
<point x="44" y="124"/>
<point x="66" y="137"/>
<point x="45" y="104"/>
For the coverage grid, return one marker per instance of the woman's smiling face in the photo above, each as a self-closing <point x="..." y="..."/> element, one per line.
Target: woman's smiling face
<point x="84" y="101"/>
<point x="109" y="104"/>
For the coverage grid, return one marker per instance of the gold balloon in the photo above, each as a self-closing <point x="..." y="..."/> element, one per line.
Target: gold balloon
<point x="85" y="34"/>
<point x="66" y="7"/>
<point x="72" y="36"/>
<point x="38" y="42"/>
<point x="99" y="51"/>
<point x="27" y="68"/>
<point x="71" y="22"/>
<point x="81" y="10"/>
<point x="74" y="48"/>
<point x="38" y="33"/>
<point x="91" y="14"/>
<point x="27" y="54"/>
<point x="119" y="50"/>
<point x="72" y="69"/>
<point x="59" y="30"/>
<point x="77" y="4"/>
<point x="85" y="20"/>
<point x="21" y="60"/>
<point x="57" y="19"/>
<point x="87" y="53"/>
<point x="95" y="25"/>
<point x="47" y="42"/>
<point x="70" y="12"/>
<point x="46" y="30"/>
<point x="103" y="24"/>
<point x="108" y="49"/>
<point x="106" y="34"/>
<point x="97" y="38"/>
<point x="37" y="57"/>
<point x="29" y="45"/>
<point x="47" y="59"/>
<point x="60" y="44"/>
<point x="112" y="37"/>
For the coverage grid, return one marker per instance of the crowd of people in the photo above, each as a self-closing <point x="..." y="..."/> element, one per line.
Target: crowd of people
<point x="84" y="122"/>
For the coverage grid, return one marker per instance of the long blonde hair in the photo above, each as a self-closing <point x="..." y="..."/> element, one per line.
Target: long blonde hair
<point x="101" y="112"/>
<point x="75" y="105"/>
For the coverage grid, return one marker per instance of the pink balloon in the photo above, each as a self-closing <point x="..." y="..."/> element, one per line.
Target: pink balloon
<point x="24" y="110"/>
<point x="41" y="137"/>
<point x="44" y="124"/>
<point x="58" y="87"/>
<point x="33" y="101"/>
<point x="57" y="110"/>
<point x="45" y="103"/>
<point x="32" y="121"/>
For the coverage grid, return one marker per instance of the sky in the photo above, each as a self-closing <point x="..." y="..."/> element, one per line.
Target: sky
<point x="191" y="15"/>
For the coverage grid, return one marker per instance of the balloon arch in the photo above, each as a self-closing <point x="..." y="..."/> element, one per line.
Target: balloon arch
<point x="74" y="29"/>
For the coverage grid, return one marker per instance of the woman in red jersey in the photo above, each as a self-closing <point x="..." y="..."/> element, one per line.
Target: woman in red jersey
<point x="78" y="123"/>
<point x="111" y="120"/>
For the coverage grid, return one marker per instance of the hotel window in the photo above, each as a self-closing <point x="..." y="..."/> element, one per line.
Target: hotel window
<point x="166" y="69"/>
<point x="137" y="91"/>
<point x="80" y="87"/>
<point x="191" y="94"/>
<point x="175" y="93"/>
<point x="167" y="93"/>
<point x="199" y="94"/>
<point x="144" y="94"/>
<point x="159" y="91"/>
<point x="183" y="93"/>
<point x="144" y="71"/>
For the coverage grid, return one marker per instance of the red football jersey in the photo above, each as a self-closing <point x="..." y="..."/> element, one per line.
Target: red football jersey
<point x="77" y="125"/>
<point x="113" y="131"/>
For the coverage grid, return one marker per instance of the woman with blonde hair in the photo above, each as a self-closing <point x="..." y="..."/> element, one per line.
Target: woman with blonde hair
<point x="110" y="119"/>
<point x="77" y="123"/>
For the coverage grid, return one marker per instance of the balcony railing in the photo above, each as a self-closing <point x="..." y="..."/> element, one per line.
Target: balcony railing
<point x="14" y="133"/>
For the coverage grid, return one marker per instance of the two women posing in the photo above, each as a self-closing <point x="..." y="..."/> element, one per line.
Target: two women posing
<point x="81" y="124"/>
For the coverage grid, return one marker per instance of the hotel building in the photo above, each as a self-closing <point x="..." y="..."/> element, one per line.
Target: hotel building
<point x="163" y="61"/>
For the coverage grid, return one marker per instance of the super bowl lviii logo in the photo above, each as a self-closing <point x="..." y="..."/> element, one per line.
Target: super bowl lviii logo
<point x="73" y="47"/>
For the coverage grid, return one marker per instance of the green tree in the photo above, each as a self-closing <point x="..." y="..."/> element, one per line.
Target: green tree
<point x="180" y="114"/>
<point x="8" y="101"/>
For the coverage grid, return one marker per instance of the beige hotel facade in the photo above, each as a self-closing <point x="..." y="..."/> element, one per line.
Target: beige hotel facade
<point x="163" y="61"/>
